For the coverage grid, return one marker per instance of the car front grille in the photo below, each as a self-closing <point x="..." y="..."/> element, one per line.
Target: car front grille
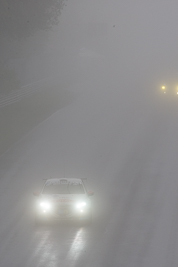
<point x="63" y="210"/>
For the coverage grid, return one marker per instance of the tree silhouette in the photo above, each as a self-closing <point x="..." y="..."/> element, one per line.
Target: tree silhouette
<point x="19" y="20"/>
<point x="22" y="18"/>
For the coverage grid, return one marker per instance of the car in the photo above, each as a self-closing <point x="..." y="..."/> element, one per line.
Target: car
<point x="163" y="88"/>
<point x="63" y="199"/>
<point x="171" y="89"/>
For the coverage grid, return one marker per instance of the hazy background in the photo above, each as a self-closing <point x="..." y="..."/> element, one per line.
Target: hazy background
<point x="134" y="41"/>
<point x="49" y="47"/>
<point x="80" y="97"/>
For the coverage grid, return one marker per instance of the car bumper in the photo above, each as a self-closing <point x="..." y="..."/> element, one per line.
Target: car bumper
<point x="63" y="215"/>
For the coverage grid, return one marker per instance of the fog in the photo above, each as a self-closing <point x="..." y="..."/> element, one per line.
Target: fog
<point x="82" y="97"/>
<point x="135" y="41"/>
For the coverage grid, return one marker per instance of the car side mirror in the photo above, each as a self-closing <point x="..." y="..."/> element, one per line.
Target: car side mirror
<point x="36" y="194"/>
<point x="90" y="193"/>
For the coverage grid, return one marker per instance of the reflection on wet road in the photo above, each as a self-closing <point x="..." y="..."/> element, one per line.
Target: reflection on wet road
<point x="60" y="244"/>
<point x="78" y="245"/>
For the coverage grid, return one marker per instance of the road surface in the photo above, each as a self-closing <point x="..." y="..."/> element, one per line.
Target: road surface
<point x="127" y="148"/>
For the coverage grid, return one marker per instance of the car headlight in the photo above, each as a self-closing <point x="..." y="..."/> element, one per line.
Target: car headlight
<point x="81" y="206"/>
<point x="45" y="205"/>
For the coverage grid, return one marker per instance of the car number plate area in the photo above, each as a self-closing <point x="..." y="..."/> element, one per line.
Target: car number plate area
<point x="63" y="212"/>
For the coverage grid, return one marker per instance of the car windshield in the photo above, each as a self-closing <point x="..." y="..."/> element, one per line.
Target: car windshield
<point x="63" y="189"/>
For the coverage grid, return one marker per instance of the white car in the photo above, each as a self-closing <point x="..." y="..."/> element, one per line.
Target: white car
<point x="64" y="199"/>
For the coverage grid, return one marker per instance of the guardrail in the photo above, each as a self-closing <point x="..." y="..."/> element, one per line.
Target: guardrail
<point x="24" y="91"/>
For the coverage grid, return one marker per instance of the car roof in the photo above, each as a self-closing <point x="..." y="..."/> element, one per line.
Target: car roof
<point x="79" y="180"/>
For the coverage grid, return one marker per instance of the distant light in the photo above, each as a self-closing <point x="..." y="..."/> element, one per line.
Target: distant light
<point x="163" y="87"/>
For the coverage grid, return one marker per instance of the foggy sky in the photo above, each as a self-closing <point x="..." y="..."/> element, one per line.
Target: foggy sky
<point x="135" y="40"/>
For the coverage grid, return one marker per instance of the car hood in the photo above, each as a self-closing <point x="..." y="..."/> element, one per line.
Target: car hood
<point x="65" y="198"/>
